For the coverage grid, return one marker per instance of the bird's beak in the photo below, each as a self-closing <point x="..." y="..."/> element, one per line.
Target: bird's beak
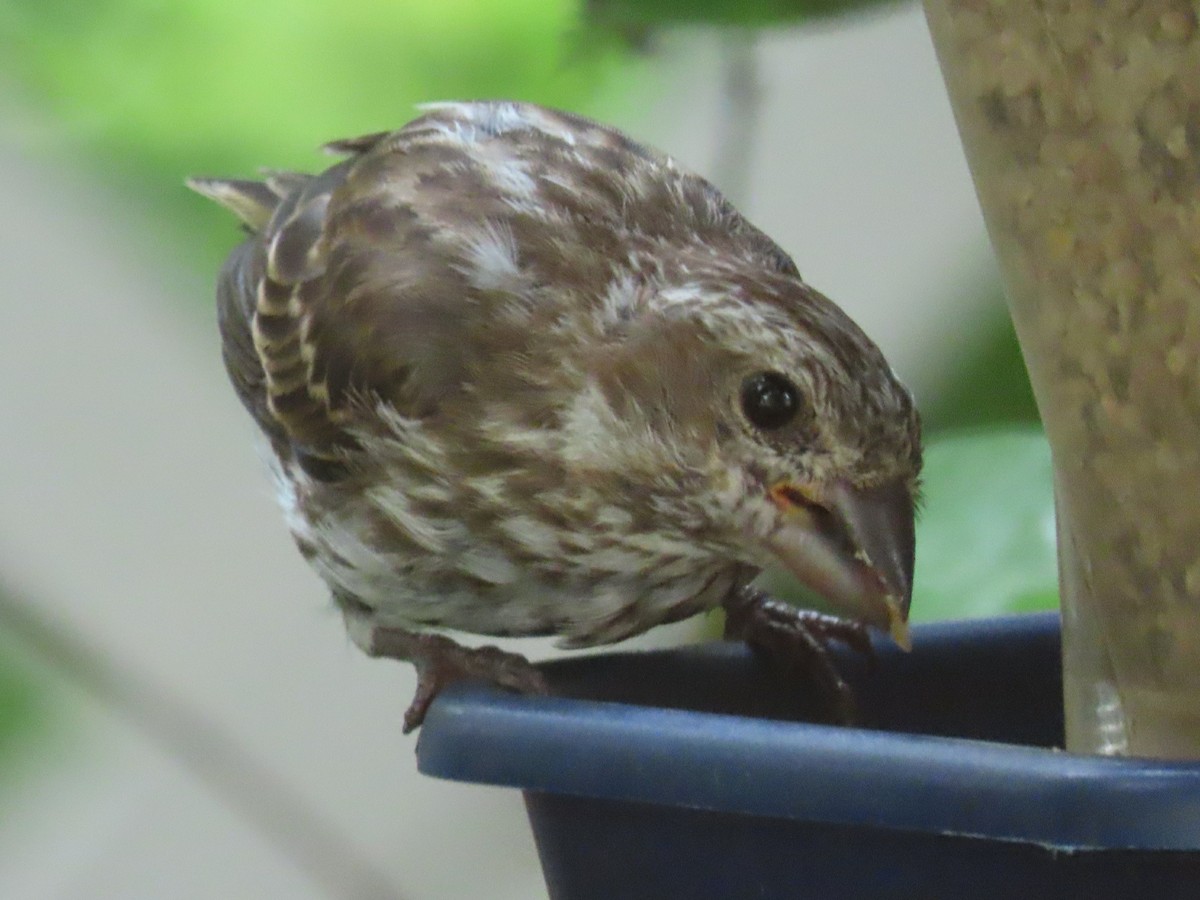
<point x="852" y="546"/>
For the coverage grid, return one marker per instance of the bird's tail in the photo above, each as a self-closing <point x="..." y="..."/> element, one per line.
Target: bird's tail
<point x="253" y="202"/>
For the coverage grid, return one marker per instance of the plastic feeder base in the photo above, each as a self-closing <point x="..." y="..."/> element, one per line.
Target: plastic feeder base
<point x="599" y="848"/>
<point x="683" y="774"/>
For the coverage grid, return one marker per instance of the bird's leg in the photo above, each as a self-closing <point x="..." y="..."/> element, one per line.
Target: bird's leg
<point x="796" y="642"/>
<point x="440" y="661"/>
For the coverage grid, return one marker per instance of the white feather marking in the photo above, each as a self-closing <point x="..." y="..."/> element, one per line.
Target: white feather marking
<point x="404" y="437"/>
<point x="361" y="630"/>
<point x="500" y="118"/>
<point x="492" y="488"/>
<point x="594" y="435"/>
<point x="546" y="121"/>
<point x="430" y="492"/>
<point x="690" y="295"/>
<point x="454" y="106"/>
<point x="350" y="564"/>
<point x="661" y="546"/>
<point x="434" y="535"/>
<point x="488" y="564"/>
<point x="589" y="426"/>
<point x="512" y="176"/>
<point x="561" y="181"/>
<point x="619" y="300"/>
<point x="535" y="537"/>
<point x="492" y="262"/>
<point x="601" y="606"/>
<point x="671" y="571"/>
<point x="507" y="434"/>
<point x="493" y="118"/>
<point x="459" y="131"/>
<point x="617" y="560"/>
<point x="285" y="490"/>
<point x="614" y="518"/>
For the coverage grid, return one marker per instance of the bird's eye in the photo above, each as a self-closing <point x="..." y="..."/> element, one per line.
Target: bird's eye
<point x="769" y="400"/>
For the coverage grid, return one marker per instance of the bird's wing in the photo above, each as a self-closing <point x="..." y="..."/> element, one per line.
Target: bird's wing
<point x="265" y="297"/>
<point x="347" y="290"/>
<point x="413" y="269"/>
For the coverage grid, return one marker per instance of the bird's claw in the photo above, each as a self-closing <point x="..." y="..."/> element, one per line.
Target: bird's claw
<point x="796" y="641"/>
<point x="440" y="662"/>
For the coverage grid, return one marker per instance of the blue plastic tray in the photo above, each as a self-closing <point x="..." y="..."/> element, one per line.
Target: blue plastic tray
<point x="684" y="773"/>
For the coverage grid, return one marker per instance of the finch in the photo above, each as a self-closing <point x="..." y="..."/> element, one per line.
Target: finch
<point x="521" y="375"/>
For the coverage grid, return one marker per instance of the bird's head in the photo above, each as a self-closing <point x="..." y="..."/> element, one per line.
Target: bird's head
<point x="754" y="414"/>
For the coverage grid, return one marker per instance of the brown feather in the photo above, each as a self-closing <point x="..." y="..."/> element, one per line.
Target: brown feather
<point x="498" y="352"/>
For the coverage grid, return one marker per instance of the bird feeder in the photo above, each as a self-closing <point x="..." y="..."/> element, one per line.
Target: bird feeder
<point x="683" y="773"/>
<point x="1081" y="124"/>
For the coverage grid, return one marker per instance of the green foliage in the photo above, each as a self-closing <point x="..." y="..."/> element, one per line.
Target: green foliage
<point x="155" y="91"/>
<point x="988" y="385"/>
<point x="985" y="539"/>
<point x="758" y="13"/>
<point x="227" y="83"/>
<point x="23" y="715"/>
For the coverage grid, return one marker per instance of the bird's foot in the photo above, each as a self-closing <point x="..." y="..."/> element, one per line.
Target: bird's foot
<point x="440" y="662"/>
<point x="796" y="642"/>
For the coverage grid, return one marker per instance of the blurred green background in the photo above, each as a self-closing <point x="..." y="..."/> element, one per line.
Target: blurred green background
<point x="136" y="94"/>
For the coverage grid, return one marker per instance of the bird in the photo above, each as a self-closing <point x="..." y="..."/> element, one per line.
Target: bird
<point x="522" y="375"/>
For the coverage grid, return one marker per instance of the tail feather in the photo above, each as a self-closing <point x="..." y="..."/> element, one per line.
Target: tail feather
<point x="262" y="301"/>
<point x="253" y="202"/>
<point x="355" y="145"/>
<point x="283" y="183"/>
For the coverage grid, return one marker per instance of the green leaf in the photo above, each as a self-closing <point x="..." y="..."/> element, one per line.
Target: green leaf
<point x="758" y="13"/>
<point x="22" y="711"/>
<point x="987" y="382"/>
<point x="151" y="92"/>
<point x="28" y="719"/>
<point x="985" y="539"/>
